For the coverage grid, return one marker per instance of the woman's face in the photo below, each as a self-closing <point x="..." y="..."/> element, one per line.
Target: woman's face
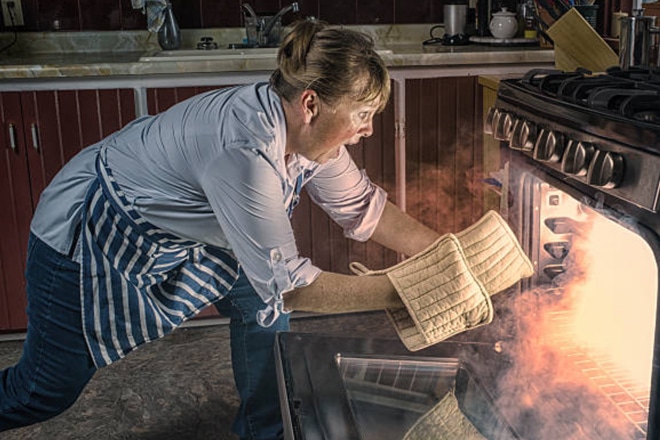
<point x="344" y="124"/>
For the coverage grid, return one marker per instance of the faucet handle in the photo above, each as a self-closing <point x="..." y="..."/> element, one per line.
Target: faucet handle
<point x="207" y="43"/>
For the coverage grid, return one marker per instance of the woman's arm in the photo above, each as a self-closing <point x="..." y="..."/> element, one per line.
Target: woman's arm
<point x="336" y="293"/>
<point x="400" y="232"/>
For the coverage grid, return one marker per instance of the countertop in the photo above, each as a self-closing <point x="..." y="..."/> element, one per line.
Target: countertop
<point x="102" y="54"/>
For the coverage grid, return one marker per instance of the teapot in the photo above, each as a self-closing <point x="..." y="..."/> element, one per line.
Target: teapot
<point x="503" y="24"/>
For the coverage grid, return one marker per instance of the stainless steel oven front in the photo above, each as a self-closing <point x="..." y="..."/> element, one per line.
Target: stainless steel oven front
<point x="580" y="184"/>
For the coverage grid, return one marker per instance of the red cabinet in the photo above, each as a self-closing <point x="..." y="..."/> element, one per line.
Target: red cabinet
<point x="42" y="130"/>
<point x="444" y="151"/>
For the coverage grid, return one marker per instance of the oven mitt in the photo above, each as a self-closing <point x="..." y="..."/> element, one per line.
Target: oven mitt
<point x="494" y="254"/>
<point x="444" y="421"/>
<point x="442" y="288"/>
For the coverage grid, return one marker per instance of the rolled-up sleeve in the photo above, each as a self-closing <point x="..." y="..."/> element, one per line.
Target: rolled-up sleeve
<point x="246" y="194"/>
<point x="348" y="196"/>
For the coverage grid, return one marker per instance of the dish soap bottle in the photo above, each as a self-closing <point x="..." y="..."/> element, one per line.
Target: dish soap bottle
<point x="530" y="25"/>
<point x="169" y="35"/>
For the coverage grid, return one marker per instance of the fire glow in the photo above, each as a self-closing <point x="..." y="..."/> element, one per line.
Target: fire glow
<point x="614" y="298"/>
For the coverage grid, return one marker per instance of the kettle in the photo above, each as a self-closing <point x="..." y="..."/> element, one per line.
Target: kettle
<point x="635" y="42"/>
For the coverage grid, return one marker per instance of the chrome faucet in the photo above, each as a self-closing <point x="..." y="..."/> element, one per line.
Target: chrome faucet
<point x="293" y="7"/>
<point x="265" y="31"/>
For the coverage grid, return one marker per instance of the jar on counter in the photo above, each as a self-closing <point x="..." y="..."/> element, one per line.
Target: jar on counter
<point x="504" y="25"/>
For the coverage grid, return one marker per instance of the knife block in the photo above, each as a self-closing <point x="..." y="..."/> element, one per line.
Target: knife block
<point x="577" y="45"/>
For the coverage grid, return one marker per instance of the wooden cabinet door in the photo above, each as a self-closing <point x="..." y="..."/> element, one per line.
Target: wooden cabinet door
<point x="444" y="154"/>
<point x="15" y="214"/>
<point x="60" y="123"/>
<point x="42" y="130"/>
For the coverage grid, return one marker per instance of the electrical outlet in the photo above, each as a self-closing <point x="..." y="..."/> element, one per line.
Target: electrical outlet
<point x="12" y="7"/>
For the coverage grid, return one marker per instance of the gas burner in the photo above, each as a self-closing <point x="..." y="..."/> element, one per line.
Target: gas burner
<point x="645" y="108"/>
<point x="649" y="75"/>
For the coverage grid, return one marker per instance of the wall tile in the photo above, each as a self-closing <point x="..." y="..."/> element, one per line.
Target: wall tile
<point x="221" y="14"/>
<point x="62" y="14"/>
<point x="416" y="11"/>
<point x="30" y="15"/>
<point x="375" y="11"/>
<point x="309" y="8"/>
<point x="338" y="11"/>
<point x="132" y="19"/>
<point x="73" y="15"/>
<point x="187" y="13"/>
<point x="102" y="15"/>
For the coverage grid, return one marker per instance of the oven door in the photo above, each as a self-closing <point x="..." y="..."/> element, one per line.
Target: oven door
<point x="584" y="327"/>
<point x="346" y="388"/>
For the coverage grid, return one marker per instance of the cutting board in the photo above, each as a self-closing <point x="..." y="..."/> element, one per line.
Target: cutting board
<point x="577" y="44"/>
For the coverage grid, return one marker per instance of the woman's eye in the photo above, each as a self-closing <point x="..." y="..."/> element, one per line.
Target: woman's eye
<point x="363" y="115"/>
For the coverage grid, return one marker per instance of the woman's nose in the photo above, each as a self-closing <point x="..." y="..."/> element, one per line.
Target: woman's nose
<point x="367" y="129"/>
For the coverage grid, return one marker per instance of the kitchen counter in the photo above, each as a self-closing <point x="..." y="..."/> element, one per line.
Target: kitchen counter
<point x="102" y="54"/>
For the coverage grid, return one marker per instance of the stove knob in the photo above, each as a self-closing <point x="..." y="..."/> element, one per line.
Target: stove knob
<point x="549" y="146"/>
<point x="523" y="135"/>
<point x="503" y="126"/>
<point x="488" y="122"/>
<point x="606" y="170"/>
<point x="577" y="157"/>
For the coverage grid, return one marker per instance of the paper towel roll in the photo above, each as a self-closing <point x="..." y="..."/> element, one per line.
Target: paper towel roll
<point x="616" y="23"/>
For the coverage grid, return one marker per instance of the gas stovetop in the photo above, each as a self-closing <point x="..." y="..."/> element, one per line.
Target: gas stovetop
<point x="633" y="94"/>
<point x="600" y="130"/>
<point x="621" y="105"/>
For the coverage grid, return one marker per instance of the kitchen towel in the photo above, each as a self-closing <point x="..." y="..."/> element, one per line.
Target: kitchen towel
<point x="155" y="10"/>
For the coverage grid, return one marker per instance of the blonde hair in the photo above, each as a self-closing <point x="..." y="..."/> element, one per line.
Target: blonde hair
<point x="335" y="63"/>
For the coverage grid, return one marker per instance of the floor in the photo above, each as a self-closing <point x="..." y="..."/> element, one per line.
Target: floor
<point x="180" y="387"/>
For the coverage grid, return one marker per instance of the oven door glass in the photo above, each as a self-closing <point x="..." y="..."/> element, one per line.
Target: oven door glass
<point x="585" y="321"/>
<point x="413" y="397"/>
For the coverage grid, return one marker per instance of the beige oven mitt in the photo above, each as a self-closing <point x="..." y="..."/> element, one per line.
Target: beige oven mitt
<point x="446" y="288"/>
<point x="444" y="421"/>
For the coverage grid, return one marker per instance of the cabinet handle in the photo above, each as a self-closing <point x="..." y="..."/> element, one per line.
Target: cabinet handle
<point x="12" y="136"/>
<point x="35" y="136"/>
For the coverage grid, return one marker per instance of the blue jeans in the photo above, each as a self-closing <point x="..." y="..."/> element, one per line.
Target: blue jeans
<point x="253" y="362"/>
<point x="55" y="365"/>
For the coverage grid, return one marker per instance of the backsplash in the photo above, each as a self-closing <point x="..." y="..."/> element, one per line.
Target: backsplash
<point x="112" y="15"/>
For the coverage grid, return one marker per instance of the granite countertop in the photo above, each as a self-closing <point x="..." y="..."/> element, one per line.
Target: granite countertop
<point x="93" y="54"/>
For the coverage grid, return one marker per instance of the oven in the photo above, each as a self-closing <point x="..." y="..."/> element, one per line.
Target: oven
<point x="573" y="351"/>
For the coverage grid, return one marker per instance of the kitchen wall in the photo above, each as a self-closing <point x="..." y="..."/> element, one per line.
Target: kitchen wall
<point x="105" y="15"/>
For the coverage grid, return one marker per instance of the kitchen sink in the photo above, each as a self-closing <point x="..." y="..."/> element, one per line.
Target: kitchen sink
<point x="211" y="55"/>
<point x="218" y="54"/>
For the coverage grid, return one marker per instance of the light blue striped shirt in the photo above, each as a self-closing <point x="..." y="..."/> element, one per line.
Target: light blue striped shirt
<point x="212" y="170"/>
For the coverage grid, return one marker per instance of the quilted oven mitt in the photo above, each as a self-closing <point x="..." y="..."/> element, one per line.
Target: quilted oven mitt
<point x="444" y="421"/>
<point x="446" y="288"/>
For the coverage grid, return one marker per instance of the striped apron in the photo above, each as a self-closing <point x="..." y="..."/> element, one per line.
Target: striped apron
<point x="138" y="282"/>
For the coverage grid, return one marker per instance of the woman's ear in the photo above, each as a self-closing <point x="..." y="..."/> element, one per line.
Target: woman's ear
<point x="309" y="100"/>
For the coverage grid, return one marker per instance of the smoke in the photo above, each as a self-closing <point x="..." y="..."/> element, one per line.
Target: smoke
<point x="554" y="389"/>
<point x="442" y="198"/>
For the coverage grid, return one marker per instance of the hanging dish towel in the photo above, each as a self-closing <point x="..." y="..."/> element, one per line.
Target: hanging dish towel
<point x="155" y="10"/>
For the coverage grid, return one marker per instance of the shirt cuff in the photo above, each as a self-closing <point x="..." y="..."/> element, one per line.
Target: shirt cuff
<point x="365" y="227"/>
